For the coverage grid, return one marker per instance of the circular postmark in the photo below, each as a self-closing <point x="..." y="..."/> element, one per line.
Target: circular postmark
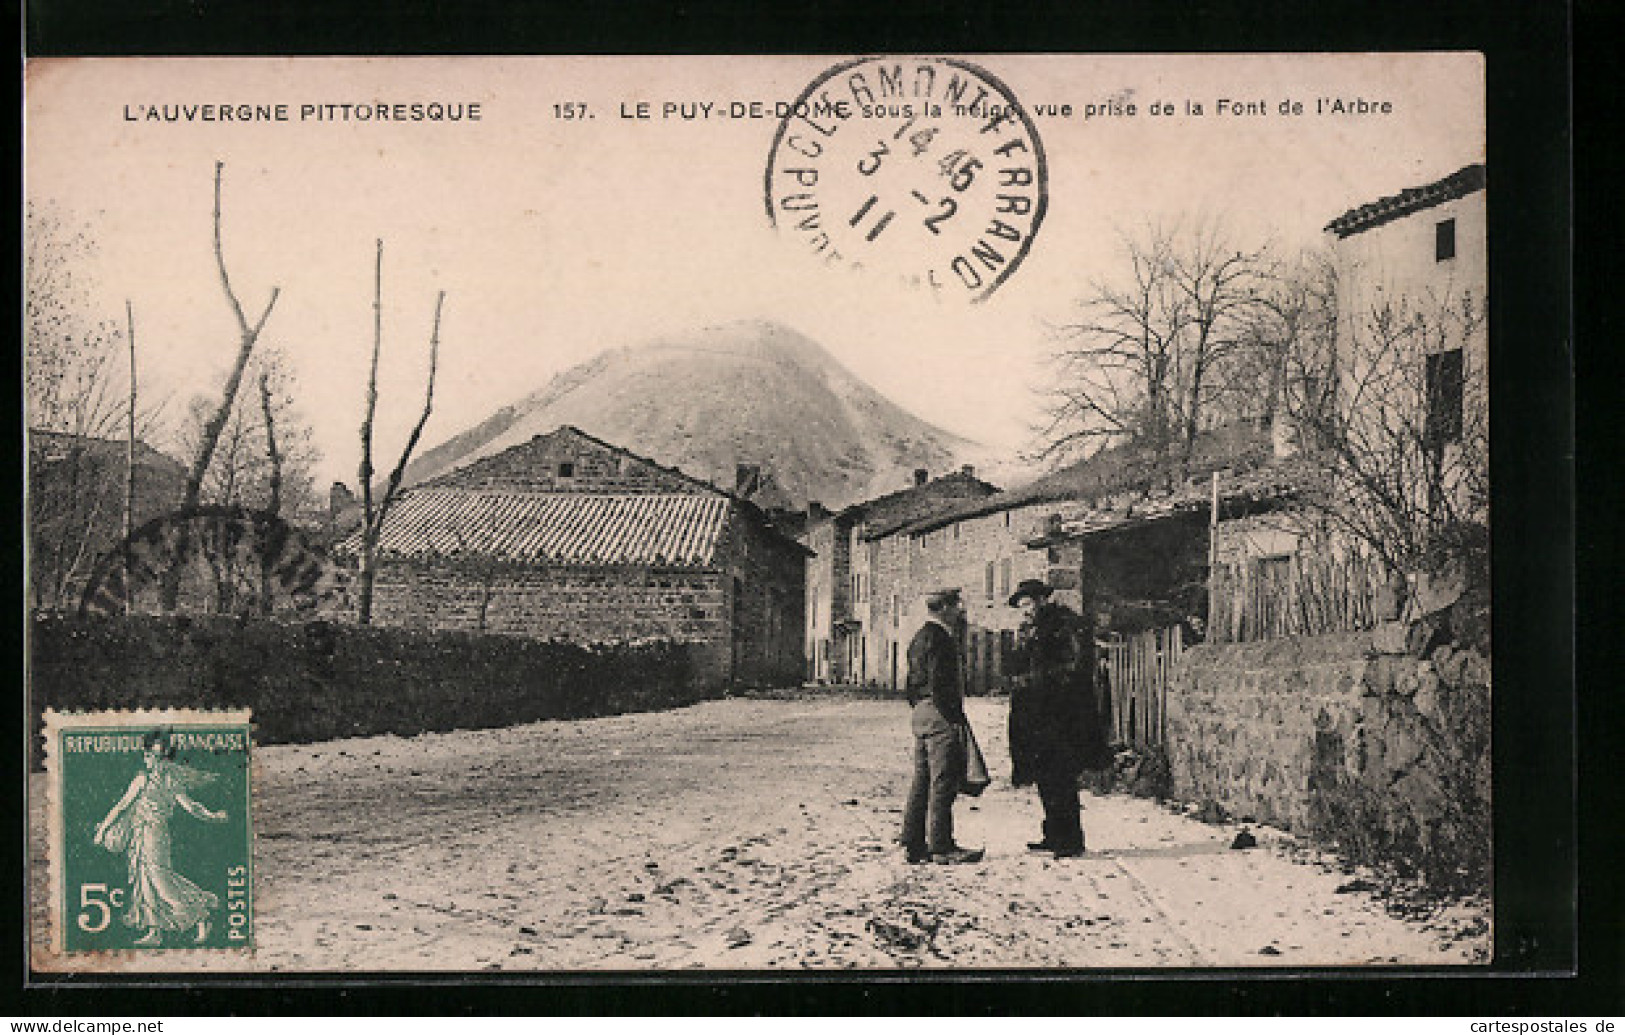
<point x="923" y="169"/>
<point x="216" y="557"/>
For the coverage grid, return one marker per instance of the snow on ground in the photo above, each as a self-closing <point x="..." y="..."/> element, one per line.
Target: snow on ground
<point x="744" y="834"/>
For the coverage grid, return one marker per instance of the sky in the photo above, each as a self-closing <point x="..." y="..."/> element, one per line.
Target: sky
<point x="555" y="238"/>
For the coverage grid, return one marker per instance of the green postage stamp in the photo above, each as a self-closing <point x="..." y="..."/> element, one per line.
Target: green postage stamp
<point x="151" y="832"/>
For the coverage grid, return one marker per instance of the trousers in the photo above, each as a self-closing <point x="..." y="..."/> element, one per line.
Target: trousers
<point x="939" y="767"/>
<point x="1063" y="819"/>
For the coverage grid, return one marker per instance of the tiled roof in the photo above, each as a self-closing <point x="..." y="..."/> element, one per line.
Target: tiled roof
<point x="1458" y="184"/>
<point x="560" y="528"/>
<point x="1111" y="471"/>
<point x="888" y="513"/>
<point x="1274" y="481"/>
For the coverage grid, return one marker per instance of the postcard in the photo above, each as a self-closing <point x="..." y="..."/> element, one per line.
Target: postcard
<point x="775" y="514"/>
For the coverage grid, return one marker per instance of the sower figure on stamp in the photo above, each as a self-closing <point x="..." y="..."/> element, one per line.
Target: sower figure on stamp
<point x="1057" y="728"/>
<point x="938" y="721"/>
<point x="161" y="899"/>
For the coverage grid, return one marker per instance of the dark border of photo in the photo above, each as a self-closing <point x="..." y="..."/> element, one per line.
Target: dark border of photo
<point x="1546" y="962"/>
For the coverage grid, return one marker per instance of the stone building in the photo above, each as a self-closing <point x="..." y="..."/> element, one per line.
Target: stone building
<point x="1145" y="567"/>
<point x="1412" y="340"/>
<point x="1417" y="262"/>
<point x="852" y="607"/>
<point x="978" y="547"/>
<point x="569" y="537"/>
<point x="1309" y="706"/>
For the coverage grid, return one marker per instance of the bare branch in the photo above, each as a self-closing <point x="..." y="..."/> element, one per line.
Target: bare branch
<point x="399" y="472"/>
<point x="370" y="407"/>
<point x="249" y="334"/>
<point x="373" y="516"/>
<point x="272" y="454"/>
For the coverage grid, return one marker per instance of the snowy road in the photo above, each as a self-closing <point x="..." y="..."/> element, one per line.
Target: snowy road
<point x="748" y="834"/>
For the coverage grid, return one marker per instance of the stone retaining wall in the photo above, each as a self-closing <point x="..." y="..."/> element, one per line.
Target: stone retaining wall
<point x="1386" y="756"/>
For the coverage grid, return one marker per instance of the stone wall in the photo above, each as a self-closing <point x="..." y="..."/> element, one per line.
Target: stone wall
<point x="959" y="555"/>
<point x="1385" y="756"/>
<point x="768" y="596"/>
<point x="582" y="605"/>
<point x="568" y="461"/>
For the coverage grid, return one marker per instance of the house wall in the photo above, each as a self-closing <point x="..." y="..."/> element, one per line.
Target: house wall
<point x="828" y="596"/>
<point x="1397" y="259"/>
<point x="820" y="580"/>
<point x="745" y="616"/>
<point x="1333" y="583"/>
<point x="1395" y="264"/>
<point x="767" y="604"/>
<point x="596" y="468"/>
<point x="1245" y="539"/>
<point x="577" y="604"/>
<point x="894" y="613"/>
<point x="903" y="568"/>
<point x="1385" y="755"/>
<point x="958" y="555"/>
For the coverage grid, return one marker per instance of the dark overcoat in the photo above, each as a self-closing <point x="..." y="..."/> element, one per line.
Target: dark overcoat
<point x="1059" y="726"/>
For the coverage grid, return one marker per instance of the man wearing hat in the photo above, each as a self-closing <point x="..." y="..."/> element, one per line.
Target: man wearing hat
<point x="1056" y="730"/>
<point x="939" y="725"/>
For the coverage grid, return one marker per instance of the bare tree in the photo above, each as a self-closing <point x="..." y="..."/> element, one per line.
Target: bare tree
<point x="76" y="409"/>
<point x="1291" y="333"/>
<point x="264" y="462"/>
<point x="68" y="373"/>
<point x="247" y="335"/>
<point x="374" y="515"/>
<point x="273" y="455"/>
<point x="264" y="459"/>
<point x="1398" y="419"/>
<point x="1156" y="350"/>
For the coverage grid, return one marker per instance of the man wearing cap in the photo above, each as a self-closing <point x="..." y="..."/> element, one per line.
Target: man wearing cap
<point x="939" y="725"/>
<point x="1055" y="729"/>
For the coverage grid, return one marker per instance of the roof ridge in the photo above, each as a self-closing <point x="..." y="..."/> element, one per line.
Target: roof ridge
<point x="1464" y="181"/>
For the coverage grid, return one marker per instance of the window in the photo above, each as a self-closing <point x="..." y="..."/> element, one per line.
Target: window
<point x="1444" y="240"/>
<point x="1444" y="402"/>
<point x="990" y="580"/>
<point x="567" y="469"/>
<point x="1004" y="577"/>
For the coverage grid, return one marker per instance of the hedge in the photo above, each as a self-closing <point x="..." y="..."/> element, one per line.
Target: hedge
<point x="322" y="680"/>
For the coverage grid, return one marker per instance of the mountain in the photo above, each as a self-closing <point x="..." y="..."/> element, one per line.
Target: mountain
<point x="752" y="392"/>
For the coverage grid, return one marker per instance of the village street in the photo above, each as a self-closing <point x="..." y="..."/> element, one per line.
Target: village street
<point x="752" y="833"/>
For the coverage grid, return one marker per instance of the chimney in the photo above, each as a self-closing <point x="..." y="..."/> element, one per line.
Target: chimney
<point x="339" y="499"/>
<point x="816" y="511"/>
<point x="921" y="476"/>
<point x="1285" y="438"/>
<point x="747" y="479"/>
<point x="968" y="470"/>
